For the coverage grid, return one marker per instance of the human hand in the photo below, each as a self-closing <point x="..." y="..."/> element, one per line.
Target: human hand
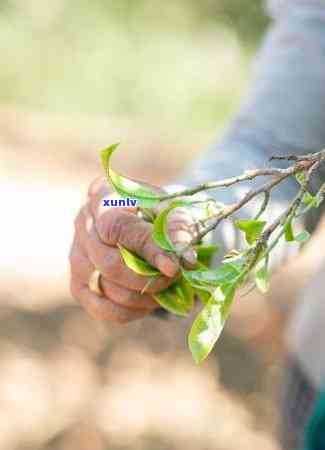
<point x="98" y="231"/>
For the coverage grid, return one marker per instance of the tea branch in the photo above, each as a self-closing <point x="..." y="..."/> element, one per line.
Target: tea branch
<point x="308" y="163"/>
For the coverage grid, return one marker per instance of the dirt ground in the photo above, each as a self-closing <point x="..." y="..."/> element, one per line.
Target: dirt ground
<point x="68" y="382"/>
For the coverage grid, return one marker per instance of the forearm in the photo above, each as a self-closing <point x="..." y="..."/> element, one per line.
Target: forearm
<point x="284" y="109"/>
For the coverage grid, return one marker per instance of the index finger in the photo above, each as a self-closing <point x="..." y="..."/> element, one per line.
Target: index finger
<point x="122" y="226"/>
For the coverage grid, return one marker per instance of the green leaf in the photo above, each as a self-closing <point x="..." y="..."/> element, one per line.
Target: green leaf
<point x="206" y="252"/>
<point x="251" y="228"/>
<point x="177" y="299"/>
<point x="146" y="197"/>
<point x="311" y="200"/>
<point x="308" y="199"/>
<point x="288" y="231"/>
<point x="301" y="177"/>
<point x="160" y="232"/>
<point x="262" y="279"/>
<point x="226" y="273"/>
<point x="148" y="214"/>
<point x="303" y="236"/>
<point x="209" y="323"/>
<point x="203" y="294"/>
<point x="138" y="265"/>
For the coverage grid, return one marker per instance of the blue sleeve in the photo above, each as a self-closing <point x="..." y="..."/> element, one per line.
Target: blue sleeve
<point x="284" y="109"/>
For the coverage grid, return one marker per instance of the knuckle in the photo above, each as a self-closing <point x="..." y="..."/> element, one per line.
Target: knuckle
<point x="180" y="225"/>
<point x="106" y="268"/>
<point x="77" y="220"/>
<point x="181" y="214"/>
<point x="74" y="259"/>
<point x="122" y="320"/>
<point x="74" y="289"/>
<point x="180" y="237"/>
<point x="127" y="229"/>
<point x="102" y="226"/>
<point x="158" y="285"/>
<point x="144" y="241"/>
<point x="110" y="267"/>
<point x="114" y="230"/>
<point x="95" y="186"/>
<point x="74" y="253"/>
<point x="128" y="297"/>
<point x="116" y="313"/>
<point x="81" y="217"/>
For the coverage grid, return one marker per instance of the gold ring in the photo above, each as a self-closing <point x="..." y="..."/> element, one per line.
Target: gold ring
<point x="94" y="283"/>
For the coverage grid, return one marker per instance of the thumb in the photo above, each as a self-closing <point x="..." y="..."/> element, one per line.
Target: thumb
<point x="181" y="228"/>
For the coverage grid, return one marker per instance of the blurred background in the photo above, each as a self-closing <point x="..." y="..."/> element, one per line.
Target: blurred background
<point x="162" y="78"/>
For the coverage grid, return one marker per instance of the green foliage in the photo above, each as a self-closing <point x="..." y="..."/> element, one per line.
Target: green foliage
<point x="160" y="225"/>
<point x="251" y="228"/>
<point x="125" y="187"/>
<point x="224" y="274"/>
<point x="313" y="201"/>
<point x="202" y="294"/>
<point x="186" y="32"/>
<point x="288" y="231"/>
<point x="206" y="252"/>
<point x="301" y="178"/>
<point x="303" y="236"/>
<point x="138" y="265"/>
<point x="177" y="299"/>
<point x="215" y="287"/>
<point x="208" y="325"/>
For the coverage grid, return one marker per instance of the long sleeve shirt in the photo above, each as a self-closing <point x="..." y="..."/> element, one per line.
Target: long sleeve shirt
<point x="282" y="112"/>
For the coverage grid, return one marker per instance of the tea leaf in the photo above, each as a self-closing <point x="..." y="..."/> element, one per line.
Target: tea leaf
<point x="206" y="252"/>
<point x="177" y="299"/>
<point x="312" y="200"/>
<point x="301" y="177"/>
<point x="146" y="197"/>
<point x="203" y="295"/>
<point x="251" y="228"/>
<point x="138" y="265"/>
<point x="288" y="231"/>
<point x="303" y="236"/>
<point x="226" y="273"/>
<point x="160" y="225"/>
<point x="209" y="323"/>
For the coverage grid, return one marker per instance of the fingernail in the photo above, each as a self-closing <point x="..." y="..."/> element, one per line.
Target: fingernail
<point x="166" y="265"/>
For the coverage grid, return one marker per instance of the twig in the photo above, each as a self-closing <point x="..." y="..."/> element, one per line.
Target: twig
<point x="303" y="162"/>
<point x="263" y="207"/>
<point x="307" y="163"/>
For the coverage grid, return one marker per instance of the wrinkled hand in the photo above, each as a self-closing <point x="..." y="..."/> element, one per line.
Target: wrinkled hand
<point x="98" y="230"/>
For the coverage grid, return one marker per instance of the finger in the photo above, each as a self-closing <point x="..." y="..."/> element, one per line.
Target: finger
<point x="102" y="308"/>
<point x="99" y="191"/>
<point x="98" y="186"/>
<point x="107" y="220"/>
<point x="117" y="225"/>
<point x="108" y="260"/>
<point x="80" y="265"/>
<point x="125" y="297"/>
<point x="181" y="228"/>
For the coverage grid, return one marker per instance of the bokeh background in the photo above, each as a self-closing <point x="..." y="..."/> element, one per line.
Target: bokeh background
<point x="162" y="78"/>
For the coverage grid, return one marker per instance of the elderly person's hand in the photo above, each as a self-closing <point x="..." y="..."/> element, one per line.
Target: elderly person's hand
<point x="98" y="231"/>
